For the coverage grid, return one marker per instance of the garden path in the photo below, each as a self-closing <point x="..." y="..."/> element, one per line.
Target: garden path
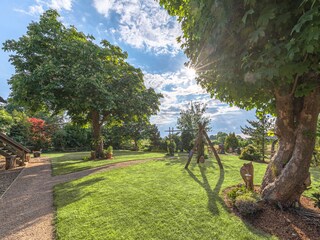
<point x="26" y="208"/>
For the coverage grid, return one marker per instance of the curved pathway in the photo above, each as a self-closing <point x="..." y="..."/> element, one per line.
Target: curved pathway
<point x="26" y="209"/>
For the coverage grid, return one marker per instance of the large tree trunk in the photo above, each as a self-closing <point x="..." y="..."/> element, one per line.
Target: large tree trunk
<point x="136" y="148"/>
<point x="273" y="147"/>
<point x="98" y="141"/>
<point x="287" y="175"/>
<point x="263" y="141"/>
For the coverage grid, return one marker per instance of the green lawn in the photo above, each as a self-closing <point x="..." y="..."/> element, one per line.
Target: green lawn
<point x="63" y="163"/>
<point x="153" y="200"/>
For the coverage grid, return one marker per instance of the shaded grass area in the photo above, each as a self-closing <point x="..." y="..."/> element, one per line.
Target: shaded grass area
<point x="63" y="163"/>
<point x="154" y="200"/>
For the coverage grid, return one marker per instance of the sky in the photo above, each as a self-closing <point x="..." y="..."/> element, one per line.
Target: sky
<point x="147" y="33"/>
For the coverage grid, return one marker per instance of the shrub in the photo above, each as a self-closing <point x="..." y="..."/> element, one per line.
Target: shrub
<point x="250" y="153"/>
<point x="247" y="204"/>
<point x="231" y="142"/>
<point x="171" y="147"/>
<point x="235" y="192"/>
<point x="109" y="150"/>
<point x="316" y="197"/>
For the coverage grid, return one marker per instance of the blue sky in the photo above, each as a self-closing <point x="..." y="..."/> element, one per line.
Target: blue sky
<point x="146" y="32"/>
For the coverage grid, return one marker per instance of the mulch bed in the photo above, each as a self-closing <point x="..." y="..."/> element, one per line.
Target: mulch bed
<point x="300" y="223"/>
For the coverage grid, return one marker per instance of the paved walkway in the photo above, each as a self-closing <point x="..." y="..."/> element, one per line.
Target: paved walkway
<point x="26" y="209"/>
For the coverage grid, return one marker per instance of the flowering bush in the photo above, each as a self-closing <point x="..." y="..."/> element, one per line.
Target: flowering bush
<point x="39" y="137"/>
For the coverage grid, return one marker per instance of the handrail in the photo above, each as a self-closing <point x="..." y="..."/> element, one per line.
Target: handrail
<point x="14" y="143"/>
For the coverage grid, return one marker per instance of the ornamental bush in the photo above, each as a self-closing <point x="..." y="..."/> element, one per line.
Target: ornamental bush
<point x="250" y="153"/>
<point x="247" y="204"/>
<point x="171" y="147"/>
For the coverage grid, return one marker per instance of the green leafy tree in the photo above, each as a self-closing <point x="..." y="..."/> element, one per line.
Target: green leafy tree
<point x="15" y="124"/>
<point x="231" y="142"/>
<point x="243" y="142"/>
<point x="114" y="136"/>
<point x="187" y="140"/>
<point x="258" y="132"/>
<point x="221" y="137"/>
<point x="265" y="55"/>
<point x="192" y="116"/>
<point x="71" y="135"/>
<point x="6" y="121"/>
<point x="136" y="131"/>
<point x="154" y="136"/>
<point x="59" y="69"/>
<point x="177" y="140"/>
<point x="188" y="121"/>
<point x="20" y="129"/>
<point x="171" y="147"/>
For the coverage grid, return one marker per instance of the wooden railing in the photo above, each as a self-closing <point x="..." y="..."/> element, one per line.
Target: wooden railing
<point x="10" y="141"/>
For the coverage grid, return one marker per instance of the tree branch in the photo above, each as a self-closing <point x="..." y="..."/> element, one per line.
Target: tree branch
<point x="297" y="78"/>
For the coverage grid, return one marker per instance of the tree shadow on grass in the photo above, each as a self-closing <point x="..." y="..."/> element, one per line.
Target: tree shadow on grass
<point x="66" y="193"/>
<point x="182" y="159"/>
<point x="74" y="162"/>
<point x="212" y="193"/>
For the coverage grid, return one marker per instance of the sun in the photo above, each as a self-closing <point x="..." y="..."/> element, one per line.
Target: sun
<point x="191" y="72"/>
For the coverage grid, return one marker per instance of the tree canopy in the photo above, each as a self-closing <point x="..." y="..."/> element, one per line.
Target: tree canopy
<point x="264" y="55"/>
<point x="192" y="116"/>
<point x="244" y="51"/>
<point x="59" y="68"/>
<point x="188" y="122"/>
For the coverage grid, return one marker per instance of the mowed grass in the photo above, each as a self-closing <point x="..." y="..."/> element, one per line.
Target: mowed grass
<point x="154" y="200"/>
<point x="63" y="163"/>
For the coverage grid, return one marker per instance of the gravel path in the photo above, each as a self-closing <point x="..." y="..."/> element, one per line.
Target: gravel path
<point x="7" y="177"/>
<point x="26" y="209"/>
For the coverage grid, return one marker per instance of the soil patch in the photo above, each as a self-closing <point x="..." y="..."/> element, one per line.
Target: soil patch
<point x="292" y="224"/>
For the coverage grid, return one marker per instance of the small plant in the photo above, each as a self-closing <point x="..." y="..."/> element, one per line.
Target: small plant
<point x="235" y="192"/>
<point x="250" y="153"/>
<point x="86" y="158"/>
<point x="109" y="152"/>
<point x="316" y="197"/>
<point x="171" y="147"/>
<point x="247" y="205"/>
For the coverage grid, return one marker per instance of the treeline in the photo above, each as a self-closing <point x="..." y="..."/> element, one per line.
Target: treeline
<point x="55" y="133"/>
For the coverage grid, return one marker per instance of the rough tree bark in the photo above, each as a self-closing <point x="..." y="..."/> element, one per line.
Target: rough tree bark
<point x="273" y="146"/>
<point x="98" y="141"/>
<point x="287" y="175"/>
<point x="136" y="147"/>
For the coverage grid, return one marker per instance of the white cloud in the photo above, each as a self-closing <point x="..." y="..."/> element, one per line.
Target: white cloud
<point x="103" y="6"/>
<point x="60" y="4"/>
<point x="143" y="24"/>
<point x="178" y="89"/>
<point x="32" y="10"/>
<point x="40" y="6"/>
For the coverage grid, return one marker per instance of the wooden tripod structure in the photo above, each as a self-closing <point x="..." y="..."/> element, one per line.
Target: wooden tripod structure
<point x="202" y="133"/>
